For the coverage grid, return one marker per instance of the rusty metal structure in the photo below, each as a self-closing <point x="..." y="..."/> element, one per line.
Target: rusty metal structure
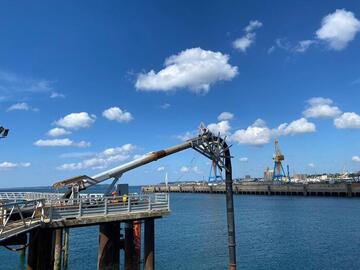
<point x="206" y="143"/>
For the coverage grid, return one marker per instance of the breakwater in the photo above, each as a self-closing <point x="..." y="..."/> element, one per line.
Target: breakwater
<point x="264" y="188"/>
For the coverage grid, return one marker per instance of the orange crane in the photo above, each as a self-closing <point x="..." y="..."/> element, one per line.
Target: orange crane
<point x="279" y="172"/>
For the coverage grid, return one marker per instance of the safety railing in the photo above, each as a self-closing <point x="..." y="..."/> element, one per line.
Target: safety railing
<point x="17" y="217"/>
<point x="20" y="216"/>
<point x="48" y="196"/>
<point x="91" y="207"/>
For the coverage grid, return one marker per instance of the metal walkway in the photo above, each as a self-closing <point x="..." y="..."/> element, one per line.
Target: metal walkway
<point x="24" y="211"/>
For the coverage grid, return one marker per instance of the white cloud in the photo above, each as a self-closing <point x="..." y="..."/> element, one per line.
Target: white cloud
<point x="60" y="142"/>
<point x="301" y="125"/>
<point x="311" y="165"/>
<point x="186" y="136"/>
<point x="223" y="127"/>
<point x="57" y="132"/>
<point x="117" y="114"/>
<point x="160" y="169"/>
<point x="23" y="106"/>
<point x="6" y="165"/>
<point x="303" y="45"/>
<point x="253" y="25"/>
<point x="195" y="68"/>
<point x="347" y="120"/>
<point x="165" y="106"/>
<point x="338" y="29"/>
<point x="356" y="158"/>
<point x="243" y="43"/>
<point x="103" y="159"/>
<point x="225" y="116"/>
<point x="56" y="95"/>
<point x="76" y="120"/>
<point x="14" y="86"/>
<point x="243" y="159"/>
<point x="186" y="169"/>
<point x="321" y="108"/>
<point x="256" y="134"/>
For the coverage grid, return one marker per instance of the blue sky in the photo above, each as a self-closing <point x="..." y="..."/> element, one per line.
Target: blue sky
<point x="117" y="79"/>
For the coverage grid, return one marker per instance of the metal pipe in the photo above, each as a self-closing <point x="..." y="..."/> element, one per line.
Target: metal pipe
<point x="153" y="156"/>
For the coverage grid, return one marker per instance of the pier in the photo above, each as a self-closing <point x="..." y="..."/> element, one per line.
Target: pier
<point x="264" y="188"/>
<point x="40" y="222"/>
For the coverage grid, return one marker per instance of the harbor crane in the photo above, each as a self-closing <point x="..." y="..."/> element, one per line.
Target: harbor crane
<point x="279" y="172"/>
<point x="206" y="143"/>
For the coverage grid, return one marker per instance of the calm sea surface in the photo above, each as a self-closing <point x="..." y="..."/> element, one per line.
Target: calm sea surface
<point x="277" y="232"/>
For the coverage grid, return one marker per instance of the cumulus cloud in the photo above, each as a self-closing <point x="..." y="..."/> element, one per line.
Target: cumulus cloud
<point x="301" y="125"/>
<point x="319" y="107"/>
<point x="165" y="106"/>
<point x="338" y="29"/>
<point x="17" y="87"/>
<point x="195" y="68"/>
<point x="243" y="159"/>
<point x="22" y="106"/>
<point x="356" y="158"/>
<point x="222" y="127"/>
<point x="6" y="165"/>
<point x="61" y="143"/>
<point x="160" y="169"/>
<point x="347" y="120"/>
<point x="76" y="120"/>
<point x="101" y="160"/>
<point x="243" y="43"/>
<point x="56" y="95"/>
<point x="259" y="133"/>
<point x="311" y="165"/>
<point x="225" y="116"/>
<point x="117" y="114"/>
<point x="186" y="169"/>
<point x="256" y="134"/>
<point x="304" y="45"/>
<point x="57" y="132"/>
<point x="185" y="136"/>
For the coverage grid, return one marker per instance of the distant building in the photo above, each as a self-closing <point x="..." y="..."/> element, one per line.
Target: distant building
<point x="268" y="174"/>
<point x="299" y="177"/>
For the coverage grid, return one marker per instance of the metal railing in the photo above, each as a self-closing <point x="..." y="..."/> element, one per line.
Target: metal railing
<point x="48" y="196"/>
<point x="17" y="217"/>
<point x="22" y="215"/>
<point x="103" y="206"/>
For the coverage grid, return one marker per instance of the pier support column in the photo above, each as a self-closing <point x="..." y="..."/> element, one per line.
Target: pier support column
<point x="149" y="252"/>
<point x="129" y="246"/>
<point x="40" y="255"/>
<point x="66" y="248"/>
<point x="109" y="246"/>
<point x="58" y="249"/>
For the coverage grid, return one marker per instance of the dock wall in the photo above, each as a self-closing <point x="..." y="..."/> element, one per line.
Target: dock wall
<point x="265" y="188"/>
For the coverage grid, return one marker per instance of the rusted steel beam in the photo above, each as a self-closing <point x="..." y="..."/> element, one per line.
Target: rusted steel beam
<point x="109" y="246"/>
<point x="129" y="246"/>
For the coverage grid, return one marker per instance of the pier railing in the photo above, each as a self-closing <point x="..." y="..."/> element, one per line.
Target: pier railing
<point x="17" y="217"/>
<point x="103" y="206"/>
<point x="22" y="215"/>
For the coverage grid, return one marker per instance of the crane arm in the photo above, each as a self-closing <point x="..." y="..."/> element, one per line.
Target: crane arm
<point x="206" y="143"/>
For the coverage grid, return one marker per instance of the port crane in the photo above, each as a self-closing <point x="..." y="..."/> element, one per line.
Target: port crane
<point x="206" y="143"/>
<point x="279" y="172"/>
